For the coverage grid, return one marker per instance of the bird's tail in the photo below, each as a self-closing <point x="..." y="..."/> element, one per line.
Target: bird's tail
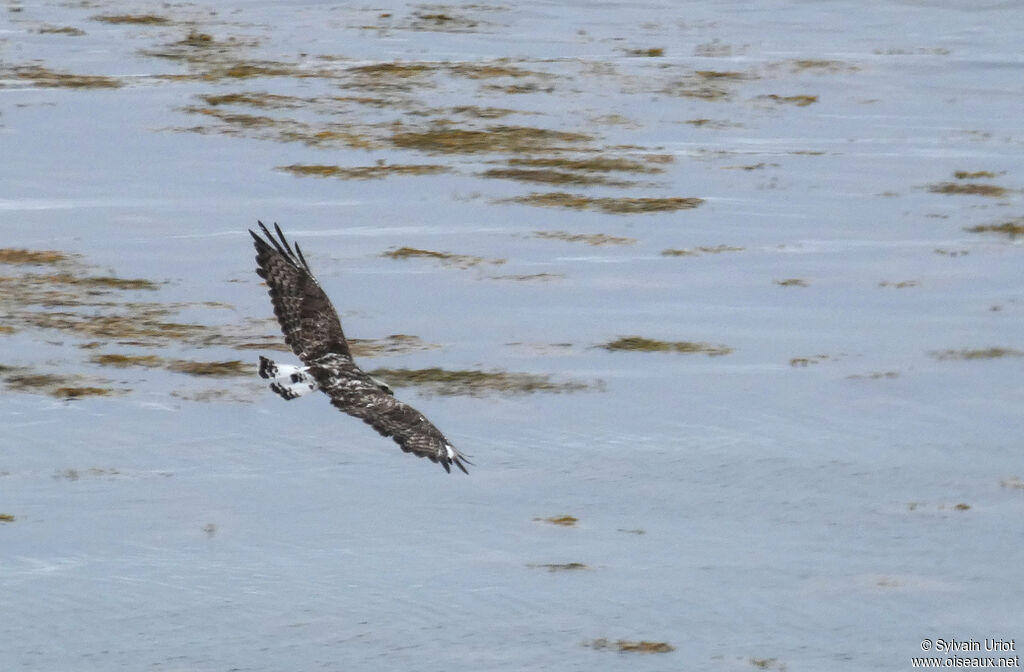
<point x="289" y="382"/>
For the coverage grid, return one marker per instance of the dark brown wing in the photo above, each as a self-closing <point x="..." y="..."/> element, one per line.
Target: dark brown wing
<point x="355" y="393"/>
<point x="310" y="324"/>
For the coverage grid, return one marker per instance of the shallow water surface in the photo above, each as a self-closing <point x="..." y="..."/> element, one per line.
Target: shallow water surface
<point x="754" y="269"/>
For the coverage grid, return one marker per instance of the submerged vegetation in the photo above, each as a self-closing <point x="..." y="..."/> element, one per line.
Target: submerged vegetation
<point x="57" y="294"/>
<point x="44" y="77"/>
<point x="980" y="353"/>
<point x="446" y="258"/>
<point x="375" y="172"/>
<point x="974" y="174"/>
<point x="650" y="52"/>
<point x="697" y="251"/>
<point x="630" y="646"/>
<point x="968" y="189"/>
<point x="139" y="19"/>
<point x="446" y="110"/>
<point x="59" y="385"/>
<point x="1011" y="228"/>
<point x="61" y="30"/>
<point x="607" y="205"/>
<point x="226" y="369"/>
<point x="799" y="101"/>
<point x="563" y="520"/>
<point x="548" y="176"/>
<point x="396" y="344"/>
<point x="597" y="164"/>
<point x="443" y="139"/>
<point x="35" y="257"/>
<point x="476" y="383"/>
<point x="588" y="238"/>
<point x="563" y="567"/>
<point x="641" y="344"/>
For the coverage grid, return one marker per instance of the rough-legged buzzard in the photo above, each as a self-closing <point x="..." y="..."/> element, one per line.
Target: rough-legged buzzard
<point x="313" y="330"/>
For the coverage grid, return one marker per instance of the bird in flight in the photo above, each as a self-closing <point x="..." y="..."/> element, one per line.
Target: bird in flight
<point x="313" y="330"/>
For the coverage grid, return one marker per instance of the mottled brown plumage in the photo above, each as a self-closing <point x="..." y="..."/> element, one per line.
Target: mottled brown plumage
<point x="312" y="329"/>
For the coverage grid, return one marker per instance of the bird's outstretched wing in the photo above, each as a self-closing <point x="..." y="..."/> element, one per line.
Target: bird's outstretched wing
<point x="310" y="324"/>
<point x="312" y="328"/>
<point x="355" y="393"/>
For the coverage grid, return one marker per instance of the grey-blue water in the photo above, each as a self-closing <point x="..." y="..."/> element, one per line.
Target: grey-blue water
<point x="842" y="485"/>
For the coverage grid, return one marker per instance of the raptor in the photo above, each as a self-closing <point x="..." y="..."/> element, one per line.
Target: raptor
<point x="312" y="329"/>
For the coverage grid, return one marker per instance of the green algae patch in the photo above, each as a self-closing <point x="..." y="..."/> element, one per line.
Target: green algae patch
<point x="722" y="75"/>
<point x="75" y="306"/>
<point x="475" y="383"/>
<point x="61" y="30"/>
<point x="442" y="19"/>
<point x="792" y="282"/>
<point x="265" y="127"/>
<point x="197" y="39"/>
<point x="588" y="238"/>
<point x="61" y="386"/>
<point x="396" y="344"/>
<point x="494" y="139"/>
<point x="215" y="69"/>
<point x="641" y="344"/>
<point x="803" y="362"/>
<point x="981" y="353"/>
<point x="1011" y="228"/>
<point x="770" y="663"/>
<point x="44" y="77"/>
<point x="974" y="174"/>
<point x="70" y="299"/>
<point x="547" y="176"/>
<point x="968" y="189"/>
<point x="100" y="281"/>
<point x="821" y="65"/>
<point x="125" y="361"/>
<point x="79" y="392"/>
<point x="607" y="205"/>
<point x="393" y="69"/>
<point x="35" y="257"/>
<point x="209" y="55"/>
<point x="798" y="101"/>
<point x="134" y="19"/>
<point x="249" y="70"/>
<point x="211" y="369"/>
<point x="697" y="251"/>
<point x="874" y="375"/>
<point x="563" y="520"/>
<point x="650" y="52"/>
<point x="596" y="164"/>
<point x="261" y="100"/>
<point x="716" y="124"/>
<point x="376" y="172"/>
<point x="559" y="567"/>
<point x="485" y="112"/>
<point x="699" y="89"/>
<point x="492" y="70"/>
<point x="446" y="258"/>
<point x="631" y="646"/>
<point x="238" y="120"/>
<point x="32" y="381"/>
<point x="527" y="277"/>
